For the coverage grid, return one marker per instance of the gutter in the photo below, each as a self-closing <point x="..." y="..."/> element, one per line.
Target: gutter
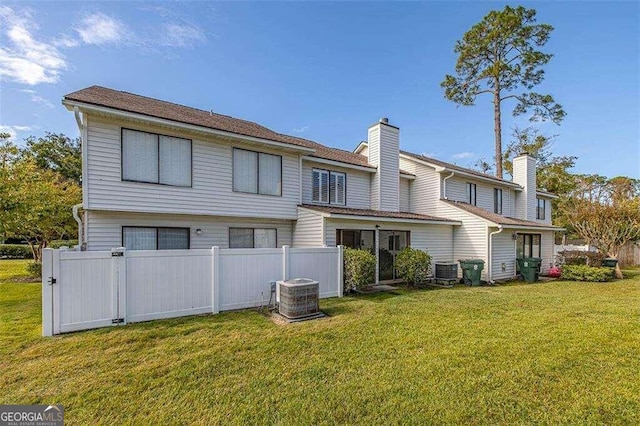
<point x="77" y="218"/>
<point x="490" y="257"/>
<point x="444" y="185"/>
<point x="176" y="124"/>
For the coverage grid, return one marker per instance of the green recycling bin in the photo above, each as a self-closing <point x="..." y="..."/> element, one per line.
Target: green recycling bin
<point x="529" y="268"/>
<point x="609" y="262"/>
<point x="471" y="271"/>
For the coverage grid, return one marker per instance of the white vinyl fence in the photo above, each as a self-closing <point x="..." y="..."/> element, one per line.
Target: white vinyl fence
<point x="91" y="289"/>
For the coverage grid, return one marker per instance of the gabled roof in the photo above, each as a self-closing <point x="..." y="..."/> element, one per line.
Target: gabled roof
<point x="129" y="102"/>
<point x="499" y="219"/>
<point x="346" y="211"/>
<point x="457" y="168"/>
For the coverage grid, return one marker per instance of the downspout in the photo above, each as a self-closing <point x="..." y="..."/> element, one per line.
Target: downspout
<point x="490" y="256"/>
<point x="77" y="218"/>
<point x="444" y="185"/>
<point x="76" y="113"/>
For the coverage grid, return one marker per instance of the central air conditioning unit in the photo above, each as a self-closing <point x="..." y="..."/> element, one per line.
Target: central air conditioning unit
<point x="298" y="298"/>
<point x="446" y="271"/>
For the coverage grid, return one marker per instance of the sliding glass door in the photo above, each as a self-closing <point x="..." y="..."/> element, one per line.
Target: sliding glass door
<point x="391" y="243"/>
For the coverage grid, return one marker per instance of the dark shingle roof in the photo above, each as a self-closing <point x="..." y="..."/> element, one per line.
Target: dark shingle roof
<point x="129" y="102"/>
<point x="496" y="218"/>
<point x="456" y="167"/>
<point x="374" y="213"/>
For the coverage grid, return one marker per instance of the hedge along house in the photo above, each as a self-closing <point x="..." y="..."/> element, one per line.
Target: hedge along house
<point x="158" y="175"/>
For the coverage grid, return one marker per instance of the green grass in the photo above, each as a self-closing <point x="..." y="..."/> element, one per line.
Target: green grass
<point x="559" y="352"/>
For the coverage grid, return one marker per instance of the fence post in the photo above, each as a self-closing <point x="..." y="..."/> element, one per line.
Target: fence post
<point x="340" y="270"/>
<point x="285" y="263"/>
<point x="118" y="285"/>
<point x="56" y="282"/>
<point x="215" y="280"/>
<point x="47" y="292"/>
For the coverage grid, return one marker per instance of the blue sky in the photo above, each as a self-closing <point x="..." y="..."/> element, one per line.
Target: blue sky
<point x="324" y="71"/>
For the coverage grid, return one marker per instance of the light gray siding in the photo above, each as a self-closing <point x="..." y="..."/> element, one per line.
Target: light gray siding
<point x="457" y="191"/>
<point x="374" y="158"/>
<point x="504" y="255"/>
<point x="524" y="174"/>
<point x="405" y="204"/>
<point x="425" y="188"/>
<point x="307" y="230"/>
<point x="470" y="239"/>
<point x="383" y="141"/>
<point x="212" y="190"/>
<point x="104" y="229"/>
<point x="358" y="185"/>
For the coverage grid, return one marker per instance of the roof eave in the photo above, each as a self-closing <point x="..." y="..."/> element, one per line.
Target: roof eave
<point x="84" y="106"/>
<point x="370" y="169"/>
<point x="379" y="218"/>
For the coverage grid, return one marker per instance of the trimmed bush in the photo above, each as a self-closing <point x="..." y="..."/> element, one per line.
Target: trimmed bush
<point x="359" y="269"/>
<point x="413" y="265"/>
<point x="15" y="251"/>
<point x="586" y="273"/>
<point x="62" y="243"/>
<point x="577" y="257"/>
<point x="34" y="269"/>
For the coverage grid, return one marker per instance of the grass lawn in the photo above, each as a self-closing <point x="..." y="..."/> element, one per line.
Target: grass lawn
<point x="557" y="352"/>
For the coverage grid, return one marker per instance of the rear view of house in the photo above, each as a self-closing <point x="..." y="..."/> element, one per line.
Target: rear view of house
<point x="158" y="175"/>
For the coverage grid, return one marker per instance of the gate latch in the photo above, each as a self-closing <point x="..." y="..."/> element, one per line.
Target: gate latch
<point x="117" y="253"/>
<point x="52" y="281"/>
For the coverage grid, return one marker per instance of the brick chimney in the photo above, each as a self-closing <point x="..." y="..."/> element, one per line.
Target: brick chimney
<point x="524" y="174"/>
<point x="384" y="153"/>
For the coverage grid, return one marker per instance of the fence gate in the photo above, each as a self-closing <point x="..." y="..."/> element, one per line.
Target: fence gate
<point x="81" y="290"/>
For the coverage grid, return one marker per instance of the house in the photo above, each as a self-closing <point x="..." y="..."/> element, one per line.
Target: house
<point x="158" y="175"/>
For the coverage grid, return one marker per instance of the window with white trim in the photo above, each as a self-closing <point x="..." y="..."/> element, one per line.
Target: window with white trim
<point x="252" y="238"/>
<point x="152" y="158"/>
<point x="329" y="187"/>
<point x="257" y="172"/>
<point x="471" y="193"/>
<point x="155" y="238"/>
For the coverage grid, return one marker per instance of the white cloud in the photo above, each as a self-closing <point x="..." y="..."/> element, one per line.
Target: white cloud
<point x="462" y="155"/>
<point x="13" y="130"/>
<point x="23" y="58"/>
<point x="99" y="29"/>
<point x="175" y="35"/>
<point x="300" y="129"/>
<point x="35" y="98"/>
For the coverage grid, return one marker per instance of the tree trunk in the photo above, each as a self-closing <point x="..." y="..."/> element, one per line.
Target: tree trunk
<point x="497" y="128"/>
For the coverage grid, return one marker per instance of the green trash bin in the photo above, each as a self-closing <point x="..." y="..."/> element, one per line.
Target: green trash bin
<point x="529" y="268"/>
<point x="471" y="271"/>
<point x="609" y="262"/>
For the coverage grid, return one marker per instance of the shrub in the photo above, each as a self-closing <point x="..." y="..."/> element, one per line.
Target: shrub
<point x="15" y="251"/>
<point x="577" y="257"/>
<point x="413" y="265"/>
<point x="34" y="269"/>
<point x="359" y="268"/>
<point x="62" y="243"/>
<point x="586" y="273"/>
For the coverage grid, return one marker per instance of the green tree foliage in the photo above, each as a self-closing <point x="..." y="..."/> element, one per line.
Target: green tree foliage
<point x="56" y="152"/>
<point x="605" y="212"/>
<point x="35" y="202"/>
<point x="500" y="56"/>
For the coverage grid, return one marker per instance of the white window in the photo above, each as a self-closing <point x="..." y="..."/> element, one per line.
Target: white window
<point x="471" y="193"/>
<point x="151" y="238"/>
<point x="151" y="158"/>
<point x="252" y="238"/>
<point x="329" y="187"/>
<point x="257" y="172"/>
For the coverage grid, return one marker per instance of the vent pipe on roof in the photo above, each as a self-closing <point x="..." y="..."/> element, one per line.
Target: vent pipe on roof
<point x="384" y="120"/>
